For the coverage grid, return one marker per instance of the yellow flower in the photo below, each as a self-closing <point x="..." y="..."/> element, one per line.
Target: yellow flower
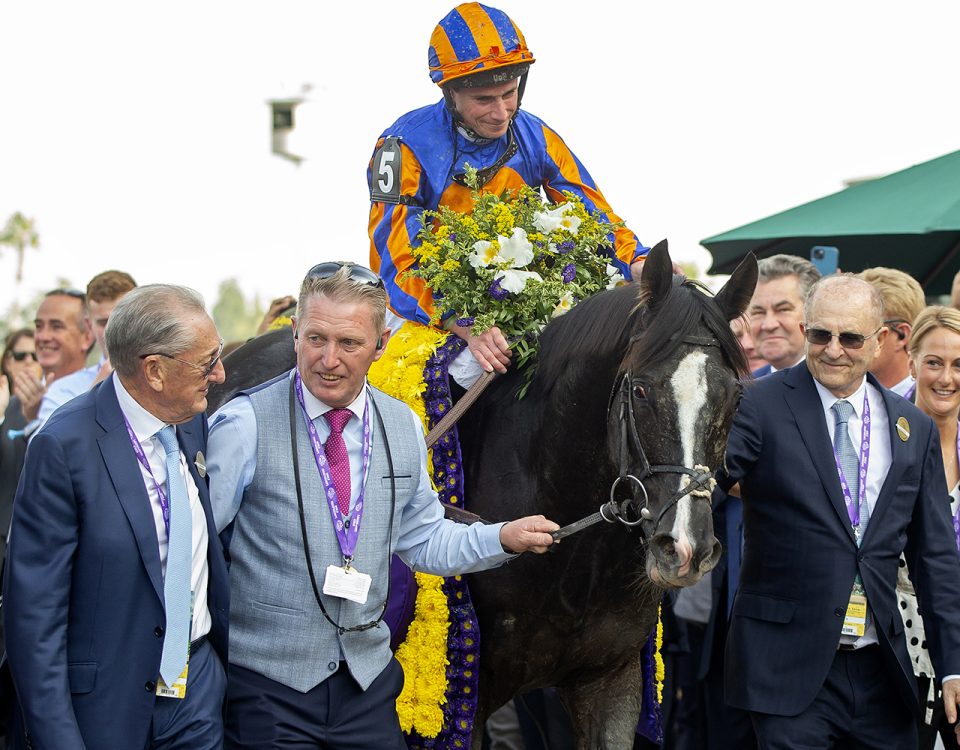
<point x="450" y="265"/>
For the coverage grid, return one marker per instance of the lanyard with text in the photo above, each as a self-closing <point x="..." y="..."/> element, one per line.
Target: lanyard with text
<point x="142" y="458"/>
<point x="347" y="529"/>
<point x="956" y="516"/>
<point x="853" y="508"/>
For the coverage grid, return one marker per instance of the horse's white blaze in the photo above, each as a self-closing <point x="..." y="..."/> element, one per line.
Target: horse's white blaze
<point x="690" y="393"/>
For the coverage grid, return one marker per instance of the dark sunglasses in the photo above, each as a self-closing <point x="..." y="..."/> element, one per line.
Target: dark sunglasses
<point x="360" y="274"/>
<point x="205" y="370"/>
<point x="20" y="356"/>
<point x="847" y="340"/>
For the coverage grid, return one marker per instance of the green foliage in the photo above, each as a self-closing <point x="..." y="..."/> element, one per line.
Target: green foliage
<point x="236" y="318"/>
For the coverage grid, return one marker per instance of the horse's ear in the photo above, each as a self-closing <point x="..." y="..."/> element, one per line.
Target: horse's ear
<point x="737" y="292"/>
<point x="657" y="274"/>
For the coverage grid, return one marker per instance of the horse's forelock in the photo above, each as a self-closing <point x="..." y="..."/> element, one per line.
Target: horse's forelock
<point x="663" y="323"/>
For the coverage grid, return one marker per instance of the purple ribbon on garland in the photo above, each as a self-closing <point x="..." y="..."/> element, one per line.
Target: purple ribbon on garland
<point x="463" y="637"/>
<point x="651" y="716"/>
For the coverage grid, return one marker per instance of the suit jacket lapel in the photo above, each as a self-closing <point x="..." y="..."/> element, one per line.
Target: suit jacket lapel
<point x="900" y="452"/>
<point x="124" y="470"/>
<point x="191" y="444"/>
<point x="804" y="402"/>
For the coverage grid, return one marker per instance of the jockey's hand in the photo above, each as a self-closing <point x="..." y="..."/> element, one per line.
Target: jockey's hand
<point x="490" y="348"/>
<point x="528" y="534"/>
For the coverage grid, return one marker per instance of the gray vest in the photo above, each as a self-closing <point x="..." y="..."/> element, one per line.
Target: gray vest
<point x="276" y="626"/>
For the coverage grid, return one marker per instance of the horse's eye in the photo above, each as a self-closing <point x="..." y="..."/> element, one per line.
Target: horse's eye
<point x="639" y="392"/>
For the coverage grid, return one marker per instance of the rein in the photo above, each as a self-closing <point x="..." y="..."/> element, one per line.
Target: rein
<point x="632" y="511"/>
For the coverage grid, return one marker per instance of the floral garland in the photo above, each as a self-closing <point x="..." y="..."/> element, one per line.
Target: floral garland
<point x="399" y="373"/>
<point x="437" y="705"/>
<point x="653" y="675"/>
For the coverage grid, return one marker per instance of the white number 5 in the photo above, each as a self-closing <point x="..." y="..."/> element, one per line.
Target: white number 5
<point x="385" y="183"/>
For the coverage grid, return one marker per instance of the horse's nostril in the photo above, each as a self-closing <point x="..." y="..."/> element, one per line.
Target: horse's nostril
<point x="664" y="548"/>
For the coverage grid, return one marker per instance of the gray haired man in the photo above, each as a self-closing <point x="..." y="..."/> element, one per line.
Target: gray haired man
<point x="117" y="596"/>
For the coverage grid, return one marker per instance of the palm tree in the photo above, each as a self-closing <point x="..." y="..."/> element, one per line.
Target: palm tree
<point x="19" y="233"/>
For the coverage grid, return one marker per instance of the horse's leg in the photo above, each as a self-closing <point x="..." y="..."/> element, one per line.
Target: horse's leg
<point x="605" y="711"/>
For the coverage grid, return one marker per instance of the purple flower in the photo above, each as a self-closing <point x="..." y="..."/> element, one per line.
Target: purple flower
<point x="465" y="322"/>
<point x="452" y="236"/>
<point x="498" y="292"/>
<point x="565" y="247"/>
<point x="569" y="273"/>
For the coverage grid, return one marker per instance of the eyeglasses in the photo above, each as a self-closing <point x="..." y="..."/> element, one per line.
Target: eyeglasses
<point x="847" y="340"/>
<point x="21" y="356"/>
<point x="205" y="370"/>
<point x="357" y="273"/>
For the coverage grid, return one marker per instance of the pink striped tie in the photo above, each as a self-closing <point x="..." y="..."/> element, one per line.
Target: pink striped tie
<point x="337" y="457"/>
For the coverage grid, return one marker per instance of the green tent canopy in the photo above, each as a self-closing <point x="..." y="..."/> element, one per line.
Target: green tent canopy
<point x="908" y="220"/>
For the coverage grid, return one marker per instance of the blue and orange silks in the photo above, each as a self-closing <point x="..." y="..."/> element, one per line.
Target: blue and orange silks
<point x="431" y="152"/>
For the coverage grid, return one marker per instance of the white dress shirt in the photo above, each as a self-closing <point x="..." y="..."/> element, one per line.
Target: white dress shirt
<point x="145" y="426"/>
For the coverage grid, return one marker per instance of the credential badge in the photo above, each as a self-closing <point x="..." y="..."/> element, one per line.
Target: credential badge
<point x="903" y="429"/>
<point x="201" y="463"/>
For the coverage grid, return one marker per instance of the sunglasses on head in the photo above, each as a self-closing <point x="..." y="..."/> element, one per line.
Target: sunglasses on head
<point x="359" y="274"/>
<point x="848" y="340"/>
<point x="20" y="356"/>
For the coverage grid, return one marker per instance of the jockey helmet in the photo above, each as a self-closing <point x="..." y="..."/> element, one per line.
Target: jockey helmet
<point x="475" y="45"/>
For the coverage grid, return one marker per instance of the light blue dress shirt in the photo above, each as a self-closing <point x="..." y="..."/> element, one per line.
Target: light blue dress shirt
<point x="424" y="532"/>
<point x="63" y="390"/>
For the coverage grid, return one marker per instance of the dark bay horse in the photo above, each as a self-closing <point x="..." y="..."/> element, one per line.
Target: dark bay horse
<point x="638" y="382"/>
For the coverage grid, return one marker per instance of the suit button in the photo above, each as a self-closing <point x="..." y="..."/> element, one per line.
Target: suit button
<point x="158" y="631"/>
<point x="150" y="687"/>
<point x="860" y="557"/>
<point x="838" y="611"/>
<point x="332" y="666"/>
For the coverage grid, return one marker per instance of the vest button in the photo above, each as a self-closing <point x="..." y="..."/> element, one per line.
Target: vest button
<point x="158" y="631"/>
<point x="838" y="611"/>
<point x="150" y="687"/>
<point x="332" y="666"/>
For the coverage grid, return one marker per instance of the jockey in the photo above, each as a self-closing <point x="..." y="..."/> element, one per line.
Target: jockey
<point x="480" y="60"/>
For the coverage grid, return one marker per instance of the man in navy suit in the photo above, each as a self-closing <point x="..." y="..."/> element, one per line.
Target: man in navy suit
<point x="116" y="589"/>
<point x="839" y="477"/>
<point x="775" y="313"/>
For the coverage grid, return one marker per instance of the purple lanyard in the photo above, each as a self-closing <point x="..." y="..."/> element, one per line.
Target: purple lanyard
<point x="909" y="394"/>
<point x="956" y="516"/>
<point x="347" y="529"/>
<point x="853" y="509"/>
<point x="142" y="458"/>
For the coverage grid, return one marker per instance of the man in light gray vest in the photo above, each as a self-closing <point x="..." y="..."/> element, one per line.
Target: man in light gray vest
<point x="318" y="479"/>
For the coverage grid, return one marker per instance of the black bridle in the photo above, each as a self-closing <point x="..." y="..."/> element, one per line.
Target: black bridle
<point x="632" y="511"/>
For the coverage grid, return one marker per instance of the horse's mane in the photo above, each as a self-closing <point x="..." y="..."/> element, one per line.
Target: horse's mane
<point x="598" y="327"/>
<point x="664" y="324"/>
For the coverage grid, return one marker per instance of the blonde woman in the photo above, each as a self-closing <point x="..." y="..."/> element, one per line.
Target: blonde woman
<point x="935" y="364"/>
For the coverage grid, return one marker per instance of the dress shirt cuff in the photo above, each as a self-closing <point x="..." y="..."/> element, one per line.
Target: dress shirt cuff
<point x="950" y="677"/>
<point x="490" y="543"/>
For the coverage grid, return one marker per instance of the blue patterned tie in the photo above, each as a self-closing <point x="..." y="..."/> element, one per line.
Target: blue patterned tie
<point x="848" y="459"/>
<point x="176" y="582"/>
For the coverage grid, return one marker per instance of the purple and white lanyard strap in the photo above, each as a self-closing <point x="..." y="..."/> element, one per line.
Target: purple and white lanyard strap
<point x="142" y="458"/>
<point x="347" y="529"/>
<point x="853" y="508"/>
<point x="956" y="516"/>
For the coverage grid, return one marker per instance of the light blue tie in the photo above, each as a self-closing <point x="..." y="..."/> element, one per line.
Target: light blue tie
<point x="848" y="459"/>
<point x="176" y="582"/>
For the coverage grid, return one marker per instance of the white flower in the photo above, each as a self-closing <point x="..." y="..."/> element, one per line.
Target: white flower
<point x="483" y="254"/>
<point x="564" y="305"/>
<point x="514" y="281"/>
<point x="561" y="217"/>
<point x="614" y="277"/>
<point x="516" y="249"/>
